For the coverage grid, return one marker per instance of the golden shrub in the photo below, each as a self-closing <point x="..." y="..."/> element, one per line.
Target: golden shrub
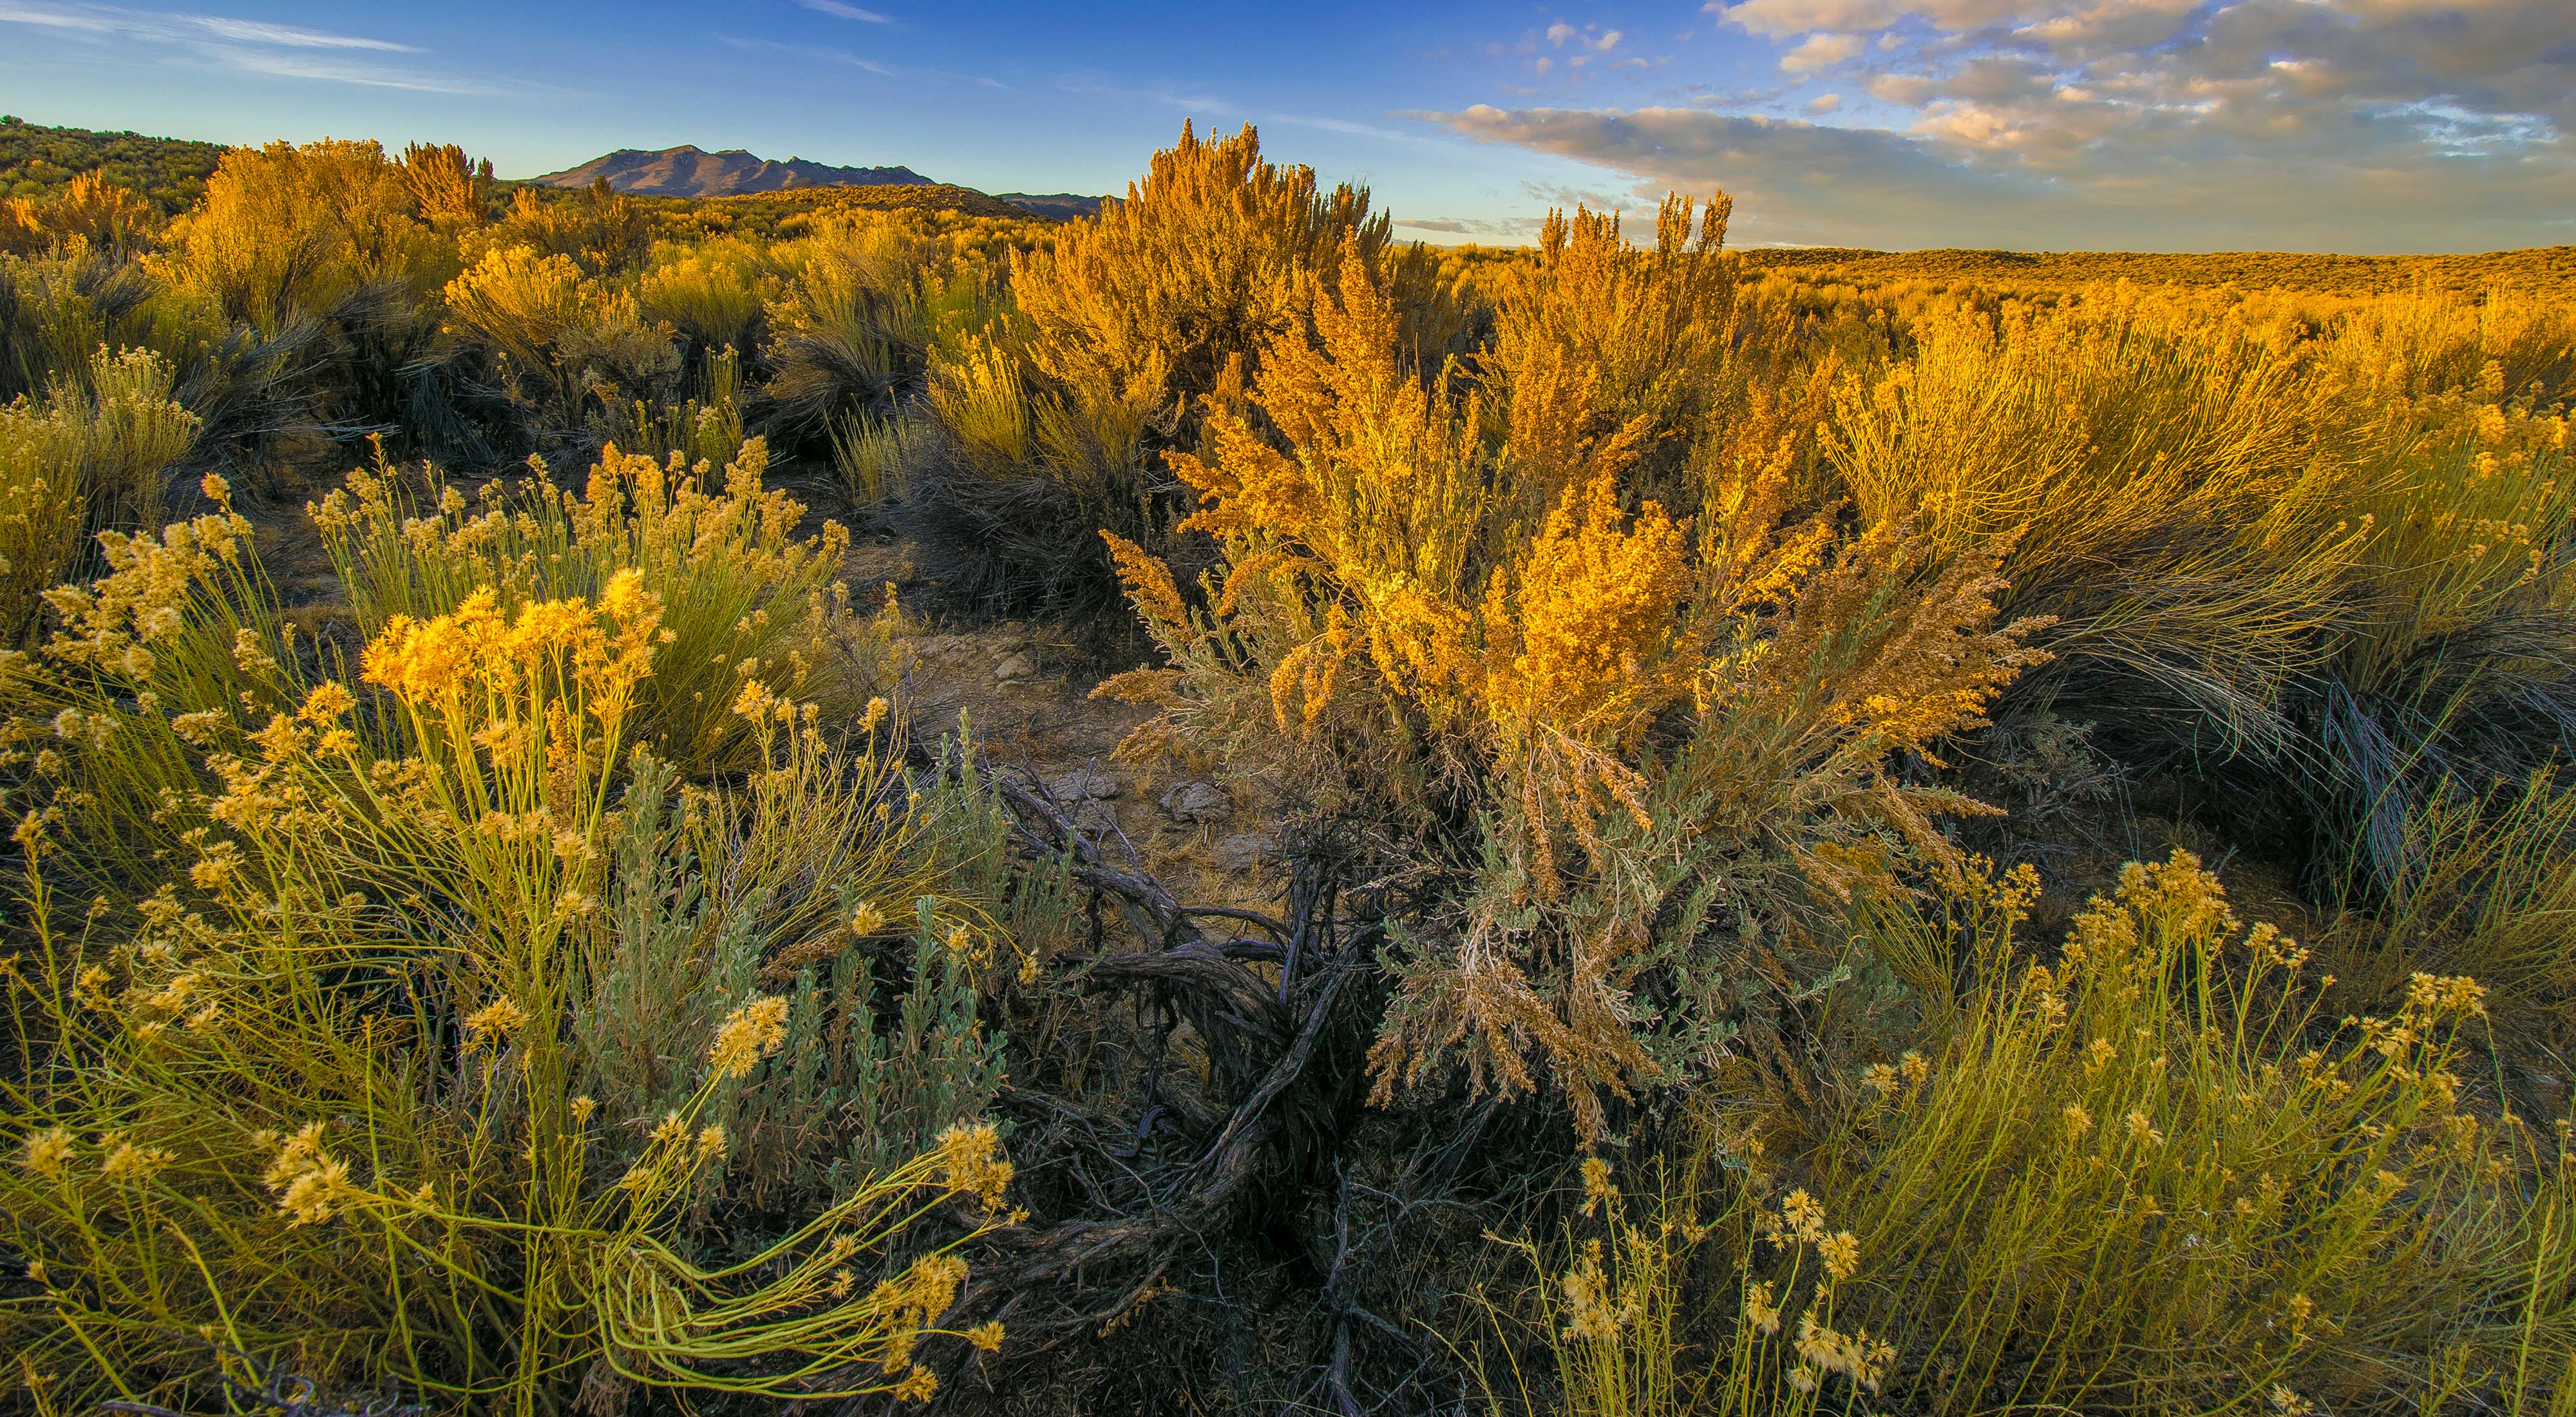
<point x="285" y="229"/>
<point x="89" y="209"/>
<point x="1428" y="608"/>
<point x="448" y="191"/>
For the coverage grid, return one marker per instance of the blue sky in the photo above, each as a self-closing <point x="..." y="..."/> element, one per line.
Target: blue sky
<point x="2357" y="125"/>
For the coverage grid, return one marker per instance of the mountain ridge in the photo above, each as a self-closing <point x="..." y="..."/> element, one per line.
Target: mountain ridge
<point x="690" y="171"/>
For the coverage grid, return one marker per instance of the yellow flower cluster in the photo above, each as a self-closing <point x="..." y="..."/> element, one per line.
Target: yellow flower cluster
<point x="48" y="1153"/>
<point x="1594" y="607"/>
<point x="753" y="1031"/>
<point x="971" y="1161"/>
<point x="910" y="1302"/>
<point x="1823" y="1350"/>
<point x="480" y="645"/>
<point x="309" y="1182"/>
<point x="112" y="623"/>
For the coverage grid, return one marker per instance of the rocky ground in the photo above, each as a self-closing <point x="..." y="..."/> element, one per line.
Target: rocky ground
<point x="1024" y="690"/>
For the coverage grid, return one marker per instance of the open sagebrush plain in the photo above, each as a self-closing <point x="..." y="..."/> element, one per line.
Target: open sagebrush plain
<point x="841" y="799"/>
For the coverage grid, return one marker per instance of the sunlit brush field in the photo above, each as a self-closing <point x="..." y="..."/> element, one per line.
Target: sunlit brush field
<point x="856" y="799"/>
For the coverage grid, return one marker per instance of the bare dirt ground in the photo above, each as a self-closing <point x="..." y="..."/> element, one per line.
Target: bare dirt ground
<point x="1023" y="689"/>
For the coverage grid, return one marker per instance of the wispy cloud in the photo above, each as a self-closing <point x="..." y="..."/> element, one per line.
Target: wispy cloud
<point x="250" y="46"/>
<point x="171" y="26"/>
<point x="841" y="11"/>
<point x="295" y="66"/>
<point x="1188" y="98"/>
<point x="806" y="51"/>
<point x="1517" y="228"/>
<point x="289" y="36"/>
<point x="830" y="55"/>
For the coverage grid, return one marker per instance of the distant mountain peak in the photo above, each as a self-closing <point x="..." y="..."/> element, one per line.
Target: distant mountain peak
<point x="691" y="171"/>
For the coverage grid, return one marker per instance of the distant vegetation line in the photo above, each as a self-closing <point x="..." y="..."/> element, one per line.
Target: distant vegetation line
<point x="36" y="161"/>
<point x="2535" y="270"/>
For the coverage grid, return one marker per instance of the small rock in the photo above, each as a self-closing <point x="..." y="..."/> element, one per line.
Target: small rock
<point x="1015" y="666"/>
<point x="1244" y="851"/>
<point x="1083" y="784"/>
<point x="1197" y="802"/>
<point x="1093" y="817"/>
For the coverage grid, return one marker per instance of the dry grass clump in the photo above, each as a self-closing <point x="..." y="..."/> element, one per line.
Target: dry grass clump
<point x="2155" y="474"/>
<point x="2148" y="1177"/>
<point x="2486" y="888"/>
<point x="2331" y="557"/>
<point x="2455" y="665"/>
<point x="866" y="303"/>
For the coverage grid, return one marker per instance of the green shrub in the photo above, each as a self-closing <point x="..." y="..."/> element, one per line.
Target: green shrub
<point x="2154" y="1177"/>
<point x="89" y="458"/>
<point x="439" y="1023"/>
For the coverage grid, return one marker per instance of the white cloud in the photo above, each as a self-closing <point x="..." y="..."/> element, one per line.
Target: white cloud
<point x="2149" y="184"/>
<point x="1910" y="90"/>
<point x="2311" y="124"/>
<point x="1819" y="51"/>
<point x="289" y="36"/>
<point x="804" y="51"/>
<point x="296" y="66"/>
<point x="843" y="11"/>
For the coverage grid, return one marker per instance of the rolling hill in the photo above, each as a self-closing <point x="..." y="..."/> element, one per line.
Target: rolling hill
<point x="169" y="172"/>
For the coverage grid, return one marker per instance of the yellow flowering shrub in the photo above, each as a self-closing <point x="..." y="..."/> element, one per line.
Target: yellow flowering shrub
<point x="747" y="600"/>
<point x="1115" y="332"/>
<point x="1624" y="1300"/>
<point x="89" y="210"/>
<point x="2153" y="1175"/>
<point x="287" y="230"/>
<point x="2119" y="433"/>
<point x="1458" y="624"/>
<point x="451" y="1018"/>
<point x="89" y="457"/>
